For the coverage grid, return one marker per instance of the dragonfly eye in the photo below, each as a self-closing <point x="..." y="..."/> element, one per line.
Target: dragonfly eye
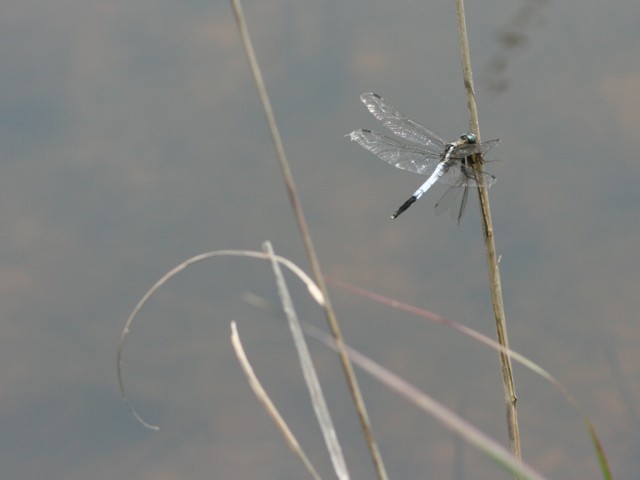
<point x="469" y="137"/>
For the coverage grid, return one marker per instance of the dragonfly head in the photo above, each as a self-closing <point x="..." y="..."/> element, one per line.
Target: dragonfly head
<point x="469" y="138"/>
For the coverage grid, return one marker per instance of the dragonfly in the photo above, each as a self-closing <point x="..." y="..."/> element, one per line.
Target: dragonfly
<point x="425" y="153"/>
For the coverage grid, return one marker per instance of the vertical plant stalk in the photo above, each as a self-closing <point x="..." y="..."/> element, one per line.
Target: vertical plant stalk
<point x="490" y="247"/>
<point x="308" y="245"/>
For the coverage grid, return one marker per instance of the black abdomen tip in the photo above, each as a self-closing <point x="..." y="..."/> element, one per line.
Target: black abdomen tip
<point x="403" y="207"/>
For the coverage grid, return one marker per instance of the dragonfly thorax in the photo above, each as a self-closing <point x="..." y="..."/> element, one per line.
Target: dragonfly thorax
<point x="465" y="139"/>
<point x="469" y="138"/>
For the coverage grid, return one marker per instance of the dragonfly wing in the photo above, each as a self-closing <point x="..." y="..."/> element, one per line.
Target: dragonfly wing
<point x="452" y="196"/>
<point x="463" y="204"/>
<point x="467" y="149"/>
<point x="461" y="175"/>
<point x="458" y="193"/>
<point x="402" y="125"/>
<point x="399" y="154"/>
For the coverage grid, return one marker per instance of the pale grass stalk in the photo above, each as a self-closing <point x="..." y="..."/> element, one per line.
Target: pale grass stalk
<point x="352" y="382"/>
<point x="264" y="398"/>
<point x="311" y="287"/>
<point x="308" y="370"/>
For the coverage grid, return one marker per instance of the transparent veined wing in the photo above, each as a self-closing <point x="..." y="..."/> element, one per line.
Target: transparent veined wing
<point x="452" y="196"/>
<point x="402" y="125"/>
<point x="463" y="151"/>
<point x="459" y="175"/>
<point x="404" y="156"/>
<point x="465" y="177"/>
